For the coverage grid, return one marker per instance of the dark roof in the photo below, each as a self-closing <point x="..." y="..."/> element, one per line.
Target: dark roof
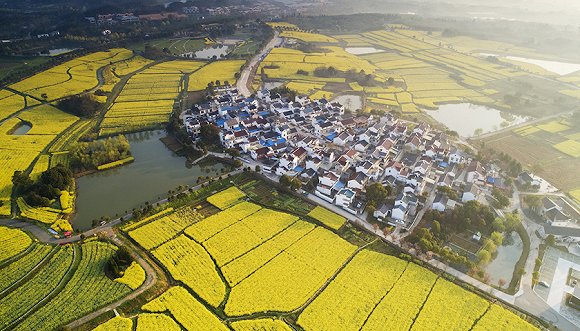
<point x="562" y="231"/>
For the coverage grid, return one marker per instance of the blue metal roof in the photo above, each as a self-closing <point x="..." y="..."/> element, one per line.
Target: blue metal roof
<point x="331" y="136"/>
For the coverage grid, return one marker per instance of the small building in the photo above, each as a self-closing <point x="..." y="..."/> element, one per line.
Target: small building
<point x="471" y="192"/>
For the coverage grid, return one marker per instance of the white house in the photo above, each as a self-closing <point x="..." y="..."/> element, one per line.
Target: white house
<point x="471" y="192"/>
<point x="342" y="139"/>
<point x="358" y="181"/>
<point x="442" y="202"/>
<point x="399" y="212"/>
<point x="344" y="198"/>
<point x="382" y="212"/>
<point x="456" y="156"/>
<point x="475" y="172"/>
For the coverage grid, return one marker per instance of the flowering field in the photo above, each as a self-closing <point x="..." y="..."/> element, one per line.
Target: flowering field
<point x="87" y="290"/>
<point x="189" y="263"/>
<point x="333" y="220"/>
<point x="159" y="231"/>
<point x="72" y="77"/>
<point x="14" y="241"/>
<point x="226" y="198"/>
<point x="252" y="268"/>
<point x="186" y="310"/>
<point x="10" y="103"/>
<point x="18" y="152"/>
<point x="45" y="287"/>
<point x="133" y="277"/>
<point x="224" y="71"/>
<point x="354" y="293"/>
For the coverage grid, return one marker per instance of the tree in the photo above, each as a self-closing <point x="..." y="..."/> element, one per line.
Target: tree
<point x="295" y="184"/>
<point x="436" y="227"/>
<point x="210" y="134"/>
<point x="501" y="282"/>
<point x="497" y="238"/>
<point x="83" y="105"/>
<point x="425" y="245"/>
<point x="483" y="257"/>
<point x="550" y="240"/>
<point x="376" y="193"/>
<point x="498" y="225"/>
<point x="21" y="179"/>
<point x="257" y="168"/>
<point x="501" y="200"/>
<point x="533" y="201"/>
<point x="58" y="177"/>
<point x="285" y="181"/>
<point x="233" y="152"/>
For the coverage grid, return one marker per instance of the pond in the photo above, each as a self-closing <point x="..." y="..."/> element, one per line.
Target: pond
<point x="156" y="170"/>
<point x="350" y="101"/>
<point x="560" y="68"/>
<point x="557" y="67"/>
<point x="508" y="254"/>
<point x="210" y="52"/>
<point x="21" y="129"/>
<point x="467" y="118"/>
<point x="363" y="50"/>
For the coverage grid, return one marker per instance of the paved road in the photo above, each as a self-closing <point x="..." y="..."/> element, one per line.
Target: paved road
<point x="244" y="80"/>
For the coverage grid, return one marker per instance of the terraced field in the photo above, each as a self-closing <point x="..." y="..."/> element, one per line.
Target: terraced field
<point x="18" y="152"/>
<point x="249" y="268"/>
<point x="551" y="149"/>
<point x="44" y="287"/>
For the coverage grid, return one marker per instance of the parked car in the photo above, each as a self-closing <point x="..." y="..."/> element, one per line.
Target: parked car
<point x="543" y="283"/>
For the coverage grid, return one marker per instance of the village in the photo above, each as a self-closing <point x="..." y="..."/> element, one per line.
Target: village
<point x="340" y="154"/>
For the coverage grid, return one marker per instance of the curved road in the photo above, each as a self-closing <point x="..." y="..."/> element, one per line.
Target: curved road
<point x="244" y="82"/>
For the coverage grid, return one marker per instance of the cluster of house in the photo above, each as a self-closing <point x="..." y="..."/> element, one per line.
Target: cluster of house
<point x="561" y="219"/>
<point x="343" y="154"/>
<point x="111" y="19"/>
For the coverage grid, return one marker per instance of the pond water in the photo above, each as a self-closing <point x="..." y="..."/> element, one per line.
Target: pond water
<point x="560" y="68"/>
<point x="557" y="67"/>
<point x="156" y="170"/>
<point x="350" y="101"/>
<point x="209" y="52"/>
<point x="466" y="118"/>
<point x="362" y="50"/>
<point x="508" y="254"/>
<point x="22" y="129"/>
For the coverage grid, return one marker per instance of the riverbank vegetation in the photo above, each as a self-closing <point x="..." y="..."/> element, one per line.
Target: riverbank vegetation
<point x="90" y="155"/>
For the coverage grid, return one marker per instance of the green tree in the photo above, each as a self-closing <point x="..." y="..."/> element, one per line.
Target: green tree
<point x="436" y="227"/>
<point x="550" y="240"/>
<point x="498" y="225"/>
<point x="210" y="134"/>
<point x="285" y="180"/>
<point x="533" y="201"/>
<point x="295" y="184"/>
<point x="22" y="180"/>
<point x="497" y="238"/>
<point x="501" y="200"/>
<point x="483" y="257"/>
<point x="376" y="193"/>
